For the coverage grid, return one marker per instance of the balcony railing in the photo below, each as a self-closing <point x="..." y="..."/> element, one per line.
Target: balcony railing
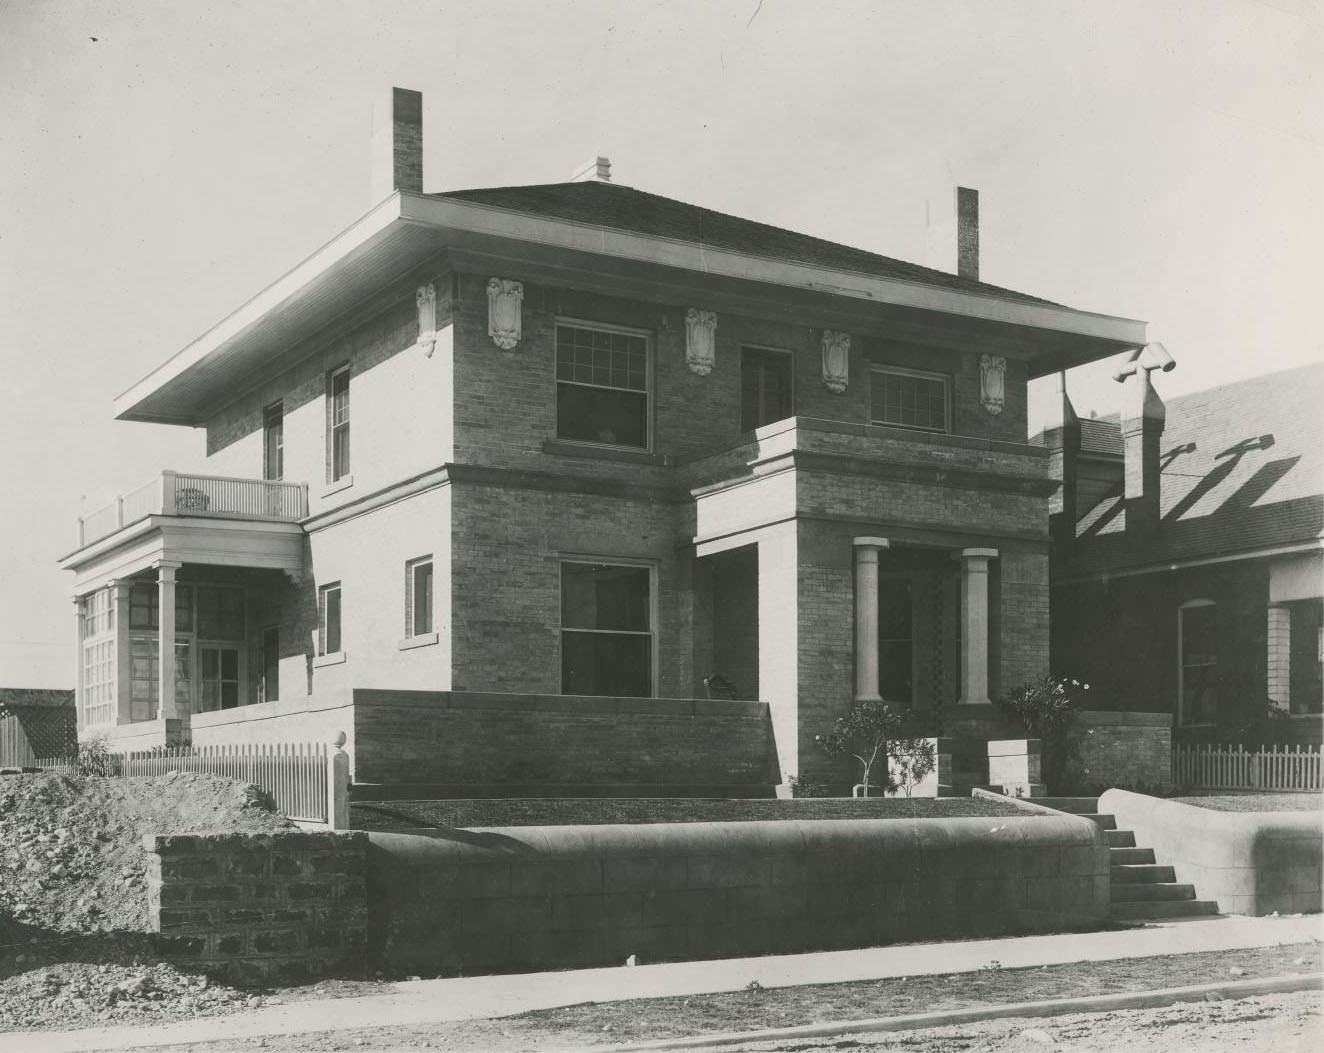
<point x="187" y="494"/>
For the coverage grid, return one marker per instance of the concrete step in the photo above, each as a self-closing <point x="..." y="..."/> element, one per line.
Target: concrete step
<point x="1169" y="890"/>
<point x="1183" y="908"/>
<point x="1119" y="838"/>
<point x="1108" y="822"/>
<point x="1074" y="805"/>
<point x="1140" y="873"/>
<point x="1126" y="856"/>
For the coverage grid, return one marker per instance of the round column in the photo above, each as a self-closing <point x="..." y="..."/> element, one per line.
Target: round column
<point x="866" y="617"/>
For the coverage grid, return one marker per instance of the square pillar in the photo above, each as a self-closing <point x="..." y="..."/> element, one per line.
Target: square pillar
<point x="866" y="617"/>
<point x="779" y="640"/>
<point x="974" y="625"/>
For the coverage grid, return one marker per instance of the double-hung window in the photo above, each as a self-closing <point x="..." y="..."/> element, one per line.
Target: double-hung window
<point x="606" y="630"/>
<point x="1197" y="630"/>
<point x="337" y="424"/>
<point x="418" y="597"/>
<point x="765" y="387"/>
<point x="602" y="387"/>
<point x="273" y="442"/>
<point x="328" y="618"/>
<point x="906" y="398"/>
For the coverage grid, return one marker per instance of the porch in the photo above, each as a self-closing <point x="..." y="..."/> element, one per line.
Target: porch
<point x="205" y="572"/>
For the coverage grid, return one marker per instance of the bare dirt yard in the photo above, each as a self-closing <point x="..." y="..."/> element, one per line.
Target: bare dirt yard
<point x="1257" y="802"/>
<point x="755" y="1008"/>
<point x="74" y="942"/>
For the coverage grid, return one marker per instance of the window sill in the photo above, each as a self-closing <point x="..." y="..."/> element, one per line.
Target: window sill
<point x="425" y="640"/>
<point x="334" y="658"/>
<point x="343" y="483"/>
<point x="593" y="452"/>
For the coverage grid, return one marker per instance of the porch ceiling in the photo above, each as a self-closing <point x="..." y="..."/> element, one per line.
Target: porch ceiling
<point x="175" y="540"/>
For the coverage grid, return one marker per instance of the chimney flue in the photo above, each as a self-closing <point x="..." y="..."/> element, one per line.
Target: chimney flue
<point x="967" y="232"/>
<point x="1143" y="419"/>
<point x="397" y="144"/>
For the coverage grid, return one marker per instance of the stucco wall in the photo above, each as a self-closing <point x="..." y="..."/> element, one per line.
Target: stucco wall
<point x="1249" y="862"/>
<point x="558" y="897"/>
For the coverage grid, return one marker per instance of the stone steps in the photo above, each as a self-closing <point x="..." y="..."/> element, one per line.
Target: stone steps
<point x="1128" y="856"/>
<point x="1119" y="838"/>
<point x="1151" y="891"/>
<point x="1133" y="873"/>
<point x="1164" y="908"/>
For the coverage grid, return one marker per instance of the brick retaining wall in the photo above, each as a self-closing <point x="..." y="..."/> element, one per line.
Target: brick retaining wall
<point x="475" y="744"/>
<point x="251" y="907"/>
<point x="556" y="897"/>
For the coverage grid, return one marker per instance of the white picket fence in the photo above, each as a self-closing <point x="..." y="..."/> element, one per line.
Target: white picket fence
<point x="1237" y="768"/>
<point x="307" y="780"/>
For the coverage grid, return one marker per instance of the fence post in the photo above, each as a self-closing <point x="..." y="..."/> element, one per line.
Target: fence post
<point x="337" y="785"/>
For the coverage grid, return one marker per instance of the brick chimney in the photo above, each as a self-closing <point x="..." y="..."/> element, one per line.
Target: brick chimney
<point x="967" y="232"/>
<point x="1062" y="438"/>
<point x="1143" y="416"/>
<point x="397" y="144"/>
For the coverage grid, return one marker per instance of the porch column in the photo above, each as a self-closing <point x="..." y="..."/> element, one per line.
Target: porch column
<point x="1279" y="656"/>
<point x="165" y="585"/>
<point x="80" y="696"/>
<point x="974" y="625"/>
<point x="866" y="617"/>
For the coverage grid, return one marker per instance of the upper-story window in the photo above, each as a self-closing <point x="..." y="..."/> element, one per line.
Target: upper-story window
<point x="906" y="398"/>
<point x="602" y="385"/>
<point x="337" y="424"/>
<point x="765" y="387"/>
<point x="273" y="441"/>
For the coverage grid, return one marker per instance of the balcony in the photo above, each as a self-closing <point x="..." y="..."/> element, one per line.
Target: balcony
<point x="187" y="494"/>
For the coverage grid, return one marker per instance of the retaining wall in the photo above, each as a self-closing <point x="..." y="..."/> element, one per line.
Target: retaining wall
<point x="252" y="907"/>
<point x="1249" y="862"/>
<point x="594" y="895"/>
<point x="477" y="744"/>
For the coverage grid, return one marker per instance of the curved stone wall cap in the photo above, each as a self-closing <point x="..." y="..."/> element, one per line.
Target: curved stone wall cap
<point x="871" y="542"/>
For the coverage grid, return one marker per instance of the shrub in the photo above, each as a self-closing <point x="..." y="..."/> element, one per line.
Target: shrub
<point x="94" y="757"/>
<point x="862" y="732"/>
<point x="909" y="760"/>
<point x="1048" y="709"/>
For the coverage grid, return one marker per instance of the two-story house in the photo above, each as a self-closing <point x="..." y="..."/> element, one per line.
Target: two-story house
<point x="498" y="478"/>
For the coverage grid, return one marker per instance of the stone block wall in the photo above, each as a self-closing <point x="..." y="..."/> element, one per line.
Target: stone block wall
<point x="256" y="907"/>
<point x="1125" y="750"/>
<point x="1248" y="862"/>
<point x="561" y="897"/>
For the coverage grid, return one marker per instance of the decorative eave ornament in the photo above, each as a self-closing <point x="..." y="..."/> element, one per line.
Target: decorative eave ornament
<point x="504" y="300"/>
<point x="426" y="298"/>
<point x="700" y="340"/>
<point x="992" y="383"/>
<point x="836" y="360"/>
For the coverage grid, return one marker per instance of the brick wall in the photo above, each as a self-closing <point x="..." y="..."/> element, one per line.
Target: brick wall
<point x="1128" y="750"/>
<point x="476" y="744"/>
<point x="583" y="896"/>
<point x="256" y="907"/>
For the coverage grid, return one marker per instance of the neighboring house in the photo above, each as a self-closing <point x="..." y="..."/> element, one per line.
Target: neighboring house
<point x="1189" y="577"/>
<point x="35" y="723"/>
<point x="522" y="446"/>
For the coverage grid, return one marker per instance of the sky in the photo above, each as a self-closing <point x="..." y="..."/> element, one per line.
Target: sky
<point x="162" y="162"/>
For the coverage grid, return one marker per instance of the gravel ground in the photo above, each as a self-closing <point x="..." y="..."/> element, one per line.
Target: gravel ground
<point x="74" y="942"/>
<point x="1257" y="802"/>
<point x="408" y="815"/>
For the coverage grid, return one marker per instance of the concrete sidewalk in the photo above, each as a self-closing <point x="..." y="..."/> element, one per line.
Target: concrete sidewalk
<point x="481" y="997"/>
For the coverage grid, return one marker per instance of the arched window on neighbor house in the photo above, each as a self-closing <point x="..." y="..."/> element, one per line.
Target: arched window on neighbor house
<point x="1197" y="662"/>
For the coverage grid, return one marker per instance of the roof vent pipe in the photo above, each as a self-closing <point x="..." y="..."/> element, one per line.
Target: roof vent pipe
<point x="595" y="170"/>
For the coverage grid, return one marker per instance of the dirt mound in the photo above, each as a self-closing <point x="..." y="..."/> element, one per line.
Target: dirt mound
<point x="71" y="855"/>
<point x="74" y="947"/>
